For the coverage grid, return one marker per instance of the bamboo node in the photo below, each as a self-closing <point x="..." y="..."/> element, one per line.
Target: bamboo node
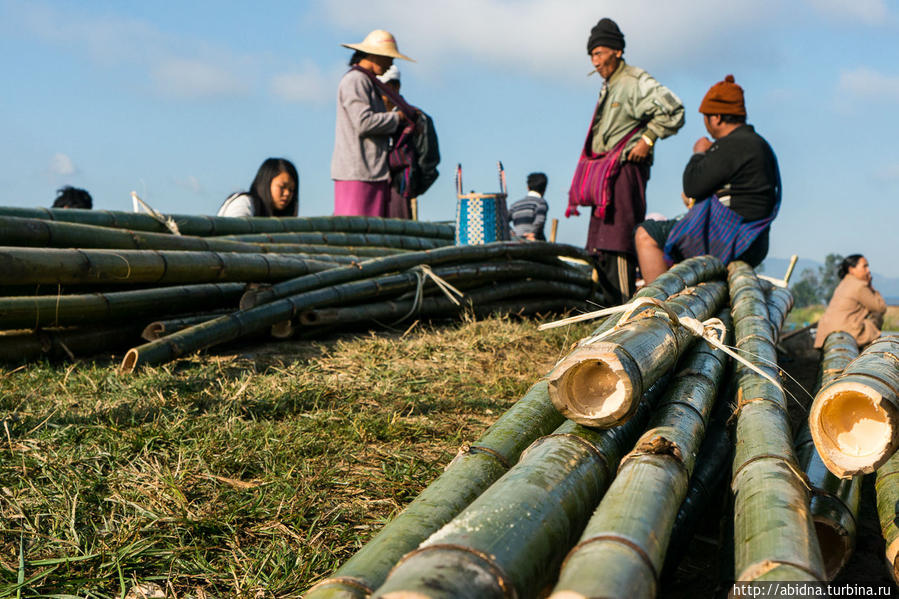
<point x="354" y="583"/>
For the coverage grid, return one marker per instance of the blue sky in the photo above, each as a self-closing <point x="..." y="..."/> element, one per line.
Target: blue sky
<point x="181" y="101"/>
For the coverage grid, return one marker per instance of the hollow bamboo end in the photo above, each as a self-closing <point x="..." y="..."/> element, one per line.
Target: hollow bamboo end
<point x="153" y="331"/>
<point x="836" y="546"/>
<point x="130" y="362"/>
<point x="282" y="330"/>
<point x="248" y="300"/>
<point x="593" y="389"/>
<point x="853" y="428"/>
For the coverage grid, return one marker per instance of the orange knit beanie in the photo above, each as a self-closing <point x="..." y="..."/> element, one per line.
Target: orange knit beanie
<point x="725" y="97"/>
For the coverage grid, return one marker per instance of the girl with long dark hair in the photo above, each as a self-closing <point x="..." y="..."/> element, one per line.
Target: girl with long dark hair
<point x="274" y="192"/>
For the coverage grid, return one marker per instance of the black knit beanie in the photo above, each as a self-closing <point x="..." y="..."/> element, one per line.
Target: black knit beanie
<point x="605" y="33"/>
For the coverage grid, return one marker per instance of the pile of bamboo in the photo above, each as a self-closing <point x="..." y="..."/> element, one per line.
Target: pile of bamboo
<point x="570" y="495"/>
<point x="82" y="281"/>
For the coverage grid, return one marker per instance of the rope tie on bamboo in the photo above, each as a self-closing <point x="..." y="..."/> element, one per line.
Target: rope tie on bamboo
<point x="712" y="331"/>
<point x="423" y="272"/>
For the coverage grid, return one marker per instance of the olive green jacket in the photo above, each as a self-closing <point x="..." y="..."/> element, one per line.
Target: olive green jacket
<point x="631" y="96"/>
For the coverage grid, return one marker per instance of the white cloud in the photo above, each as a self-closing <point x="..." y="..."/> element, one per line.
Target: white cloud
<point x="308" y="84"/>
<point x="62" y="165"/>
<point x="889" y="173"/>
<point x="869" y="84"/>
<point x="542" y="36"/>
<point x="870" y="12"/>
<point x="190" y="183"/>
<point x="191" y="79"/>
<point x="170" y="65"/>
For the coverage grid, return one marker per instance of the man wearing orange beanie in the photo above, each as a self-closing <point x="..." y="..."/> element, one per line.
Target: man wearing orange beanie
<point x="731" y="187"/>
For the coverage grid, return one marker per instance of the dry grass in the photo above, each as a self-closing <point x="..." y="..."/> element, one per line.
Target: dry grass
<point x="240" y="475"/>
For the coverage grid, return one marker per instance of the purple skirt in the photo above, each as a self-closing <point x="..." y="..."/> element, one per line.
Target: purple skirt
<point x="361" y="198"/>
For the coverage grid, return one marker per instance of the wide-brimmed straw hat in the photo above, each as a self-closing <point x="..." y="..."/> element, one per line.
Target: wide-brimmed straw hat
<point x="379" y="43"/>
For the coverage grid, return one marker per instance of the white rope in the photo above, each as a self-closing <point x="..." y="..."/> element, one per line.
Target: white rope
<point x="167" y="222"/>
<point x="445" y="287"/>
<point x="712" y="331"/>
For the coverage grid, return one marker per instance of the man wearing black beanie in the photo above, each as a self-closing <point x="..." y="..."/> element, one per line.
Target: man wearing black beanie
<point x="634" y="110"/>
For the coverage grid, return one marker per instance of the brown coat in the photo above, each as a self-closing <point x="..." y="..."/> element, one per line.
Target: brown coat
<point x="855" y="308"/>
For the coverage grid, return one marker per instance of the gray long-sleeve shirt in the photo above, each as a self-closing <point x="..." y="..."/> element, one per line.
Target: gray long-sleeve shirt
<point x="362" y="133"/>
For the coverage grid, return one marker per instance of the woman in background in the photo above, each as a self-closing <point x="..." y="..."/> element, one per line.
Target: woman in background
<point x="359" y="164"/>
<point x="274" y="192"/>
<point x="856" y="307"/>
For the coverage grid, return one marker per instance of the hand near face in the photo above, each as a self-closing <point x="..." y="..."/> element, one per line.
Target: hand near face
<point x="639" y="152"/>
<point x="702" y="145"/>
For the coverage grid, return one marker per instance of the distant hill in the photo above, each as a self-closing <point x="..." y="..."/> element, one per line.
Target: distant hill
<point x="777" y="267"/>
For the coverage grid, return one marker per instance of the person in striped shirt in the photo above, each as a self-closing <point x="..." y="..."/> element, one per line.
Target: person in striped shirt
<point x="528" y="215"/>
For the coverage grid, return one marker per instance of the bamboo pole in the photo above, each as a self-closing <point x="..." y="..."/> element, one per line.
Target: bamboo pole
<point x="161" y="328"/>
<point x="232" y="326"/>
<point x="855" y="418"/>
<point x="474" y="300"/>
<point x="472" y="471"/>
<point x="834" y="502"/>
<point x="60" y="343"/>
<point x="66" y="310"/>
<point x="366" y="570"/>
<point x="405" y="242"/>
<point x="28" y="266"/>
<point x="600" y="382"/>
<point x="509" y="541"/>
<point x="25" y="232"/>
<point x="376" y="266"/>
<point x="773" y="531"/>
<point x="887" y="488"/>
<point x="211" y="225"/>
<point x="628" y="533"/>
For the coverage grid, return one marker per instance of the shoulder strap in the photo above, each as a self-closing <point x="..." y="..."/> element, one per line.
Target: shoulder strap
<point x="397" y="99"/>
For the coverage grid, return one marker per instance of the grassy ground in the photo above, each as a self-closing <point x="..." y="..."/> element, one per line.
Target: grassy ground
<point x="240" y="475"/>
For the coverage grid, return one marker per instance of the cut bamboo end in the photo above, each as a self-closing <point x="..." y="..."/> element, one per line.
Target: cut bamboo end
<point x="854" y="428"/>
<point x="836" y="545"/>
<point x="596" y="386"/>
<point x="130" y="361"/>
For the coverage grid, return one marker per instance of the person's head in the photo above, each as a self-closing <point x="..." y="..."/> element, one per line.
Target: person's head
<point x="376" y="52"/>
<point x="605" y="46"/>
<point x="855" y="265"/>
<point x="723" y="108"/>
<point x="537" y="182"/>
<point x="72" y="197"/>
<point x="274" y="190"/>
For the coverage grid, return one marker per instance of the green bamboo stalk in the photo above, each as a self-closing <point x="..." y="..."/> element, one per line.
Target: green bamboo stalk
<point x="509" y="541"/>
<point x="66" y="310"/>
<point x="887" y="488"/>
<point x="368" y="569"/>
<point x="600" y="382"/>
<point x="628" y="533"/>
<point x="855" y="418"/>
<point x="161" y="328"/>
<point x="28" y="266"/>
<point x="405" y="242"/>
<point x="61" y="343"/>
<point x="835" y="502"/>
<point x="25" y="232"/>
<point x="773" y="530"/>
<point x="472" y="471"/>
<point x="211" y="225"/>
<point x="437" y="305"/>
<point x="262" y="317"/>
<point x="376" y="266"/>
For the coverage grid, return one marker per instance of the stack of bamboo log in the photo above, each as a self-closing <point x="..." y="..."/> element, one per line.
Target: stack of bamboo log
<point x="589" y="507"/>
<point x="82" y="281"/>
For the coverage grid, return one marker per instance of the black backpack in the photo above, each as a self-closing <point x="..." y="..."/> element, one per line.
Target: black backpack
<point x="427" y="156"/>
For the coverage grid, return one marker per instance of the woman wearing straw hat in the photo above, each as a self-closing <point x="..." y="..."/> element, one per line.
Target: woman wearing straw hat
<point x="359" y="164"/>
